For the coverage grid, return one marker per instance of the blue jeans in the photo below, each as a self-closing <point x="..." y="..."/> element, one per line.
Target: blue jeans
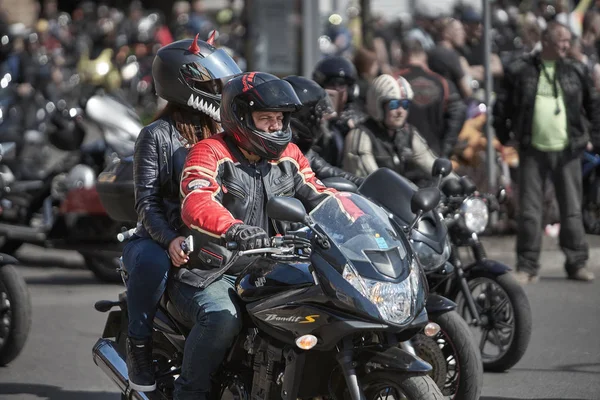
<point x="147" y="264"/>
<point x="217" y="322"/>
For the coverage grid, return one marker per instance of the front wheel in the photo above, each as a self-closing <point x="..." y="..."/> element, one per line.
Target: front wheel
<point x="456" y="361"/>
<point x="387" y="385"/>
<point x="15" y="314"/>
<point x="505" y="313"/>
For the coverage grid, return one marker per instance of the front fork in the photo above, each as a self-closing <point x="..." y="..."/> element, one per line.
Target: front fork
<point x="346" y="361"/>
<point x="479" y="255"/>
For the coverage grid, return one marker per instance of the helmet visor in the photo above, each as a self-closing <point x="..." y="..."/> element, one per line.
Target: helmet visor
<point x="209" y="74"/>
<point x="275" y="95"/>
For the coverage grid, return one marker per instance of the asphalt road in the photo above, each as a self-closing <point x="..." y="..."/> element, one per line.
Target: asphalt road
<point x="562" y="362"/>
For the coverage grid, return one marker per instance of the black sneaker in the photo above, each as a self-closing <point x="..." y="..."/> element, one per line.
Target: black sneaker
<point x="139" y="365"/>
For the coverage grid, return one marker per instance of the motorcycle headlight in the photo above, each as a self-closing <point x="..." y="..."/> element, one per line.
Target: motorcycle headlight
<point x="475" y="214"/>
<point x="396" y="302"/>
<point x="430" y="259"/>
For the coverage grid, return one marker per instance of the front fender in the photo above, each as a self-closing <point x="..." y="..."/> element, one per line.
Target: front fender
<point x="437" y="304"/>
<point x="491" y="266"/>
<point x="392" y="358"/>
<point x="5" y="259"/>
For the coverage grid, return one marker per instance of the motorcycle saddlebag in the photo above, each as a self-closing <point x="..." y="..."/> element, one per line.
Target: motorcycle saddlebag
<point x="115" y="188"/>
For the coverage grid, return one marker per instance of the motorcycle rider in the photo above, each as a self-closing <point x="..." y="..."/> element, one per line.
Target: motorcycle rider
<point x="385" y="139"/>
<point x="307" y="129"/>
<point x="337" y="75"/>
<point x="189" y="75"/>
<point x="226" y="182"/>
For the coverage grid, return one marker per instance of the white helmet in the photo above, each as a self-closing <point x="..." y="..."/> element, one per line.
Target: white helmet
<point x="384" y="88"/>
<point x="406" y="91"/>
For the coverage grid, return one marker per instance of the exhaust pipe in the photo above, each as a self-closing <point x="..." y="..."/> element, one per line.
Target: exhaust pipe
<point x="108" y="359"/>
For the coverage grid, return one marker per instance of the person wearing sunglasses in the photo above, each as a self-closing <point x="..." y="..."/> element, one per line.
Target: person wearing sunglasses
<point x="385" y="139"/>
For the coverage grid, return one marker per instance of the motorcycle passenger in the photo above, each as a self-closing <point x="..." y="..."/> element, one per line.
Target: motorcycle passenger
<point x="386" y="139"/>
<point x="189" y="75"/>
<point x="225" y="185"/>
<point x="307" y="129"/>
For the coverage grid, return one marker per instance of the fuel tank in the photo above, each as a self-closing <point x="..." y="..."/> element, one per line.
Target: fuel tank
<point x="265" y="278"/>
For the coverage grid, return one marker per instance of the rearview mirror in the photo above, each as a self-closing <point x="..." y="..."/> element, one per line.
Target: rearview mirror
<point x="286" y="209"/>
<point x="425" y="200"/>
<point x="441" y="167"/>
<point x="452" y="187"/>
<point x="468" y="185"/>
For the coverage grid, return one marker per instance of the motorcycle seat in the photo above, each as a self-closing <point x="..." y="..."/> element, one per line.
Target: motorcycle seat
<point x="174" y="312"/>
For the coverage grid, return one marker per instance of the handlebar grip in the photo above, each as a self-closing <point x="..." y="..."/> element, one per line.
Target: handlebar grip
<point x="231" y="246"/>
<point x="123" y="236"/>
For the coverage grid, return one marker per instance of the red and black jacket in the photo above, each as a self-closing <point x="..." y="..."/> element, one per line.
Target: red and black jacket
<point x="219" y="188"/>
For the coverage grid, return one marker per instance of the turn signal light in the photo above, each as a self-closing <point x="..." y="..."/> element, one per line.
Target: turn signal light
<point x="306" y="342"/>
<point x="431" y="329"/>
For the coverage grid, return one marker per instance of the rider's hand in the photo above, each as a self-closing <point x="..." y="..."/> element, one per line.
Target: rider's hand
<point x="247" y="237"/>
<point x="178" y="256"/>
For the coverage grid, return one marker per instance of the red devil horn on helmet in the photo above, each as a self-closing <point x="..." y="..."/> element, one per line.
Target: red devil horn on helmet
<point x="211" y="38"/>
<point x="194" y="46"/>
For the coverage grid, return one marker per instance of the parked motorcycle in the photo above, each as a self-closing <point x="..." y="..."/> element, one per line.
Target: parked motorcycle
<point x="61" y="208"/>
<point x="15" y="302"/>
<point x="15" y="310"/>
<point x="324" y="307"/>
<point x="591" y="192"/>
<point x="495" y="305"/>
<point x="488" y="298"/>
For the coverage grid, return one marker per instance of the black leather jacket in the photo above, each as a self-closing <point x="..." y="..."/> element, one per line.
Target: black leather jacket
<point x="323" y="169"/>
<point x="513" y="110"/>
<point x="221" y="188"/>
<point x="158" y="160"/>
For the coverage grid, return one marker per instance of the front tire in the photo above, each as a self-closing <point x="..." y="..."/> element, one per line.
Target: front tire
<point x="15" y="314"/>
<point x="461" y="376"/>
<point x="376" y="385"/>
<point x="506" y="319"/>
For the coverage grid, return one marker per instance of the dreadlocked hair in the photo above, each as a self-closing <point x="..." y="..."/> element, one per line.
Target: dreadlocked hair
<point x="193" y="126"/>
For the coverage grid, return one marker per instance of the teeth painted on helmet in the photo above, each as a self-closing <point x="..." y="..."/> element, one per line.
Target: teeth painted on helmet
<point x="199" y="104"/>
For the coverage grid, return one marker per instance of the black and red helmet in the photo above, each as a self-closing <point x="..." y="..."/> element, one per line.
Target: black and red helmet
<point x="192" y="73"/>
<point x="258" y="91"/>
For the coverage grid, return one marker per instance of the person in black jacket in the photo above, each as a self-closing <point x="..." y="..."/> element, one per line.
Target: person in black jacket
<point x="189" y="75"/>
<point x="540" y="106"/>
<point x="306" y="124"/>
<point x="225" y="186"/>
<point x="337" y="75"/>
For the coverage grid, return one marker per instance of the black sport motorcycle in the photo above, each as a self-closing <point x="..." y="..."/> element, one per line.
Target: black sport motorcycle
<point x="325" y="310"/>
<point x="490" y="300"/>
<point x="452" y="352"/>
